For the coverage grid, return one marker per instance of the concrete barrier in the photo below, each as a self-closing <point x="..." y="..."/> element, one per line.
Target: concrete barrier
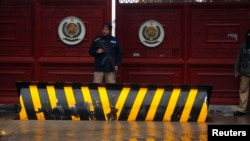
<point x="122" y="102"/>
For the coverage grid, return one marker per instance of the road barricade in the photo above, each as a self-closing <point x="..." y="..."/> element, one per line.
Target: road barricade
<point x="122" y="102"/>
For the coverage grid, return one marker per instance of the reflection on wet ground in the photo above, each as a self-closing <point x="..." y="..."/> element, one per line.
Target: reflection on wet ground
<point x="102" y="130"/>
<point x="64" y="130"/>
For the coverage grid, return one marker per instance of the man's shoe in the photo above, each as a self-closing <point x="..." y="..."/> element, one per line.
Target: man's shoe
<point x="238" y="113"/>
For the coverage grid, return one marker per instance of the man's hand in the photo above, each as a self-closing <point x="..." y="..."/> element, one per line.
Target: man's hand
<point x="116" y="69"/>
<point x="100" y="50"/>
<point x="236" y="74"/>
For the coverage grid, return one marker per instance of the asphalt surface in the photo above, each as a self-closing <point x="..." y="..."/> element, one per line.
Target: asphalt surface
<point x="12" y="129"/>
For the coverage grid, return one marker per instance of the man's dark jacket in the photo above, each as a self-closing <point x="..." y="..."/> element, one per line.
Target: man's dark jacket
<point x="112" y="56"/>
<point x="242" y="62"/>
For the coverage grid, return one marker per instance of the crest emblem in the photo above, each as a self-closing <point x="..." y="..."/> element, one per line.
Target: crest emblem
<point x="71" y="30"/>
<point x="151" y="33"/>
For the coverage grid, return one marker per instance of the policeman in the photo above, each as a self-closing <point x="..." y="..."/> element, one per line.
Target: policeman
<point x="107" y="54"/>
<point x="242" y="66"/>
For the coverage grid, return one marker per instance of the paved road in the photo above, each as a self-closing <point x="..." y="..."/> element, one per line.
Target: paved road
<point x="15" y="130"/>
<point x="68" y="130"/>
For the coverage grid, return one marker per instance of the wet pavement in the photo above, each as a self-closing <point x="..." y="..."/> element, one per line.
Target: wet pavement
<point x="65" y="130"/>
<point x="102" y="131"/>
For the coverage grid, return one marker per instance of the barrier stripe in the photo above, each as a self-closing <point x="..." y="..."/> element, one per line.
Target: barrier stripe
<point x="105" y="101"/>
<point x="71" y="99"/>
<point x="121" y="100"/>
<point x="43" y="95"/>
<point x="137" y="103"/>
<point x="23" y="112"/>
<point x="128" y="103"/>
<point x="197" y="105"/>
<point x="171" y="105"/>
<point x="37" y="105"/>
<point x="203" y="114"/>
<point x="27" y="105"/>
<point x="77" y="101"/>
<point x="99" y="111"/>
<point x="52" y="96"/>
<point x="188" y="105"/>
<point x="62" y="104"/>
<point x="87" y="98"/>
<point x="160" y="111"/>
<point x="155" y="103"/>
<point x="80" y="109"/>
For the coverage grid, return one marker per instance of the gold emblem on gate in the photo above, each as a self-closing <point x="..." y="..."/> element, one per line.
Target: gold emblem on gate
<point x="71" y="30"/>
<point x="151" y="33"/>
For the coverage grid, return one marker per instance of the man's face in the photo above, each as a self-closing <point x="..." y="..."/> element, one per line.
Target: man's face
<point x="248" y="35"/>
<point x="105" y="31"/>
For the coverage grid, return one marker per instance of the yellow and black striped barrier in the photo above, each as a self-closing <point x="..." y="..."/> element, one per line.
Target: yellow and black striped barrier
<point x="129" y="102"/>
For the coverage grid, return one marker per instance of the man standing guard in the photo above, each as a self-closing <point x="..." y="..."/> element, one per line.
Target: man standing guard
<point x="242" y="66"/>
<point x="107" y="54"/>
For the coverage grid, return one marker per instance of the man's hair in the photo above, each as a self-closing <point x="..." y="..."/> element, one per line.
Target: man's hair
<point x="109" y="26"/>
